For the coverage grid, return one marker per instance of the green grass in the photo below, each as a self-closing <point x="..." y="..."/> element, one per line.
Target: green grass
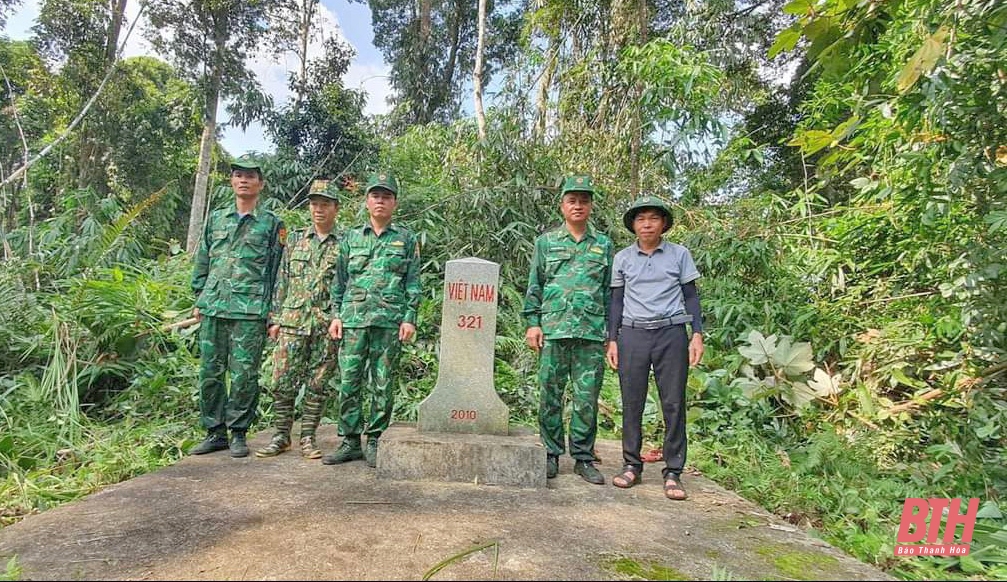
<point x="845" y="500"/>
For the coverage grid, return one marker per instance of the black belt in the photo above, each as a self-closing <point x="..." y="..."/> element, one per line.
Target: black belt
<point x="656" y="323"/>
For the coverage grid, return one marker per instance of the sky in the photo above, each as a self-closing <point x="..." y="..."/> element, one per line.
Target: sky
<point x="351" y="21"/>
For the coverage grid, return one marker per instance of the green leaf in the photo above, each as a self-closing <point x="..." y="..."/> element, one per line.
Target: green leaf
<point x="817" y="27"/>
<point x="750" y="387"/>
<point x="989" y="510"/>
<point x="794" y="359"/>
<point x="799" y="395"/>
<point x="923" y="61"/>
<point x="970" y="565"/>
<point x="785" y="41"/>
<point x="863" y="184"/>
<point x="900" y="376"/>
<point x="844" y="129"/>
<point x="997" y="220"/>
<point x="797" y="7"/>
<point x="825" y="385"/>
<point x="812" y="140"/>
<point x="759" y="348"/>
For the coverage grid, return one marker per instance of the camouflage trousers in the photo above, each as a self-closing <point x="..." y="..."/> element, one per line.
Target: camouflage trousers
<point x="229" y="346"/>
<point x="582" y="362"/>
<point x="308" y="360"/>
<point x="363" y="352"/>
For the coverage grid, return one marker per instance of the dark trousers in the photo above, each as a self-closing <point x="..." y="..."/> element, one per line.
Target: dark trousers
<point x="666" y="350"/>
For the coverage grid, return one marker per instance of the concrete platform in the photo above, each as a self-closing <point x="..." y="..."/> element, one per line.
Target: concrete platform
<point x="287" y="518"/>
<point x="410" y="455"/>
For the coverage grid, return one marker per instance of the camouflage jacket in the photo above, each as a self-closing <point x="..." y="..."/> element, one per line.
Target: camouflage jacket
<point x="236" y="262"/>
<point x="301" y="300"/>
<point x="568" y="286"/>
<point x="377" y="282"/>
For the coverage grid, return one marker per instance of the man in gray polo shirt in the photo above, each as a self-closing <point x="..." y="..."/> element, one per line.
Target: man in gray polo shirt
<point x="653" y="297"/>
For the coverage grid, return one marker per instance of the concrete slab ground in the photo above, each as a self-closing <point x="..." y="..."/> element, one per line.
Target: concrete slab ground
<point x="285" y="518"/>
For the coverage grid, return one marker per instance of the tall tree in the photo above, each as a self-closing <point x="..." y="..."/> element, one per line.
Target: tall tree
<point x="293" y="29"/>
<point x="210" y="41"/>
<point x="430" y="45"/>
<point x="325" y="131"/>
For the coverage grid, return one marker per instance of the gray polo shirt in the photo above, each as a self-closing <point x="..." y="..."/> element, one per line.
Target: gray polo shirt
<point x="653" y="282"/>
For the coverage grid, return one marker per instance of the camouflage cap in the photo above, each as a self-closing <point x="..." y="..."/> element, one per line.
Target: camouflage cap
<point x="327" y="189"/>
<point x="647" y="202"/>
<point x="383" y="180"/>
<point x="577" y="184"/>
<point x="246" y="162"/>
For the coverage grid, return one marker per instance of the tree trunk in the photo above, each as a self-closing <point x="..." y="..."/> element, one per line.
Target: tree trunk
<point x="629" y="24"/>
<point x="89" y="151"/>
<point x="439" y="94"/>
<point x="206" y="143"/>
<point x="542" y="103"/>
<point x="424" y="11"/>
<point x="477" y="73"/>
<point x="115" y="27"/>
<point x="306" y="17"/>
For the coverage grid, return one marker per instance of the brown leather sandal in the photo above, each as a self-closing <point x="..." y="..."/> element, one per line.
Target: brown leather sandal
<point x="673" y="489"/>
<point x="629" y="477"/>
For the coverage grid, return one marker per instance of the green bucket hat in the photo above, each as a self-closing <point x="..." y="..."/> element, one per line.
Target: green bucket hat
<point x="384" y="180"/>
<point x="645" y="202"/>
<point x="324" y="189"/>
<point x="577" y="184"/>
<point x="246" y="163"/>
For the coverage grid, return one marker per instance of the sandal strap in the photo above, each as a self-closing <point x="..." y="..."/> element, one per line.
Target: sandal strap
<point x="674" y="484"/>
<point x="629" y="475"/>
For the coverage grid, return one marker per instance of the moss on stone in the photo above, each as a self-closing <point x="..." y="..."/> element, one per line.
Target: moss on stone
<point x="798" y="564"/>
<point x="644" y="569"/>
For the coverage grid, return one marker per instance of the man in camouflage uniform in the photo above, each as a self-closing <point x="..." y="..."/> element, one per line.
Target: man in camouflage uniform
<point x="565" y="307"/>
<point x="233" y="278"/>
<point x="375" y="297"/>
<point x="301" y="323"/>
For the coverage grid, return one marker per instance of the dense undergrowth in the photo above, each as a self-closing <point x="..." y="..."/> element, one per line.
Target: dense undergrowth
<point x="851" y="228"/>
<point x="96" y="387"/>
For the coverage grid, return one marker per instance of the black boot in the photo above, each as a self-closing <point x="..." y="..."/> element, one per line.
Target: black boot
<point x="551" y="466"/>
<point x="348" y="451"/>
<point x="212" y="443"/>
<point x="239" y="448"/>
<point x="589" y="472"/>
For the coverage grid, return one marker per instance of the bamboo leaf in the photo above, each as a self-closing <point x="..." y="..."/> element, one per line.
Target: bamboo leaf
<point x="923" y="61"/>
<point x="452" y="559"/>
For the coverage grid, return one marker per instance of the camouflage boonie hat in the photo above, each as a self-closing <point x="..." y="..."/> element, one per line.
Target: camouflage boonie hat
<point x="383" y="180"/>
<point x="647" y="202"/>
<point x="324" y="189"/>
<point x="246" y="163"/>
<point x="577" y="184"/>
